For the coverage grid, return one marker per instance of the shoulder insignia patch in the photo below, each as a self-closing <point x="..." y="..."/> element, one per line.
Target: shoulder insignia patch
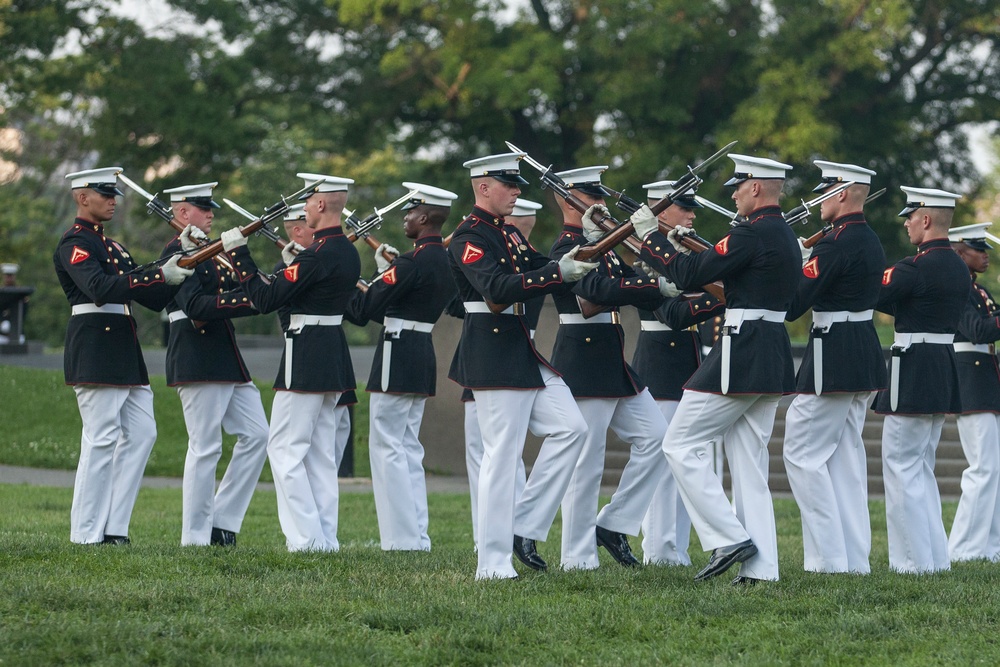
<point x="471" y="254"/>
<point x="887" y="275"/>
<point x="79" y="254"/>
<point x="292" y="273"/>
<point x="722" y="247"/>
<point x="389" y="277"/>
<point x="811" y="269"/>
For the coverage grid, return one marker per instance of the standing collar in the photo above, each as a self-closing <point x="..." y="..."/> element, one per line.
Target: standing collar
<point x="850" y="218"/>
<point x="328" y="231"/>
<point x="935" y="243"/>
<point x="96" y="227"/>
<point x="424" y="240"/>
<point x="488" y="217"/>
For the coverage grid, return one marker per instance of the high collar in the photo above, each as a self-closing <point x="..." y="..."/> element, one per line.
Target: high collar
<point x="771" y="209"/>
<point x="95" y="227"/>
<point x="570" y="227"/>
<point x="424" y="240"/>
<point x="935" y="243"/>
<point x="486" y="216"/>
<point x="850" y="218"/>
<point x="328" y="232"/>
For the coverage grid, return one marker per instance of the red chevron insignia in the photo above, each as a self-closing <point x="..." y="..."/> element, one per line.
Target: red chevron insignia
<point x="389" y="277"/>
<point x="722" y="247"/>
<point x="79" y="254"/>
<point x="811" y="269"/>
<point x="471" y="254"/>
<point x="887" y="276"/>
<point x="292" y="273"/>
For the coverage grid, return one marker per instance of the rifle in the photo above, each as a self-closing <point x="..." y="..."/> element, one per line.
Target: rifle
<point x="166" y="213"/>
<point x="361" y="229"/>
<point x="687" y="182"/>
<point x="271" y="213"/>
<point x="815" y="238"/>
<point x="800" y="214"/>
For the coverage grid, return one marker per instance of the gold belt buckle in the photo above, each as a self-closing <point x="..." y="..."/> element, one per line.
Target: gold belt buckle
<point x="518" y="308"/>
<point x="616" y="317"/>
<point x="128" y="309"/>
<point x="993" y="348"/>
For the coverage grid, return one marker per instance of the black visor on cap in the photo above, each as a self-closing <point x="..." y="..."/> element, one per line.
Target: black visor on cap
<point x="590" y="189"/>
<point x="910" y="207"/>
<point x="205" y="203"/>
<point x="106" y="189"/>
<point x="508" y="176"/>
<point x="737" y="178"/>
<point x="687" y="201"/>
<point x="826" y="183"/>
<point x="977" y="244"/>
<point x="307" y="194"/>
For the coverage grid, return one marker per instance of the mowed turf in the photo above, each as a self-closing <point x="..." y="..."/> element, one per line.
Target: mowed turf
<point x="157" y="603"/>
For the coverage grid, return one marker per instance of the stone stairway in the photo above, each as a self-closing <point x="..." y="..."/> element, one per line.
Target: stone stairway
<point x="949" y="467"/>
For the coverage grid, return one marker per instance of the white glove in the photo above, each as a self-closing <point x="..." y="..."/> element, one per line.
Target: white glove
<point x="641" y="267"/>
<point x="644" y="222"/>
<point x="232" y="238"/>
<point x="675" y="235"/>
<point x="590" y="228"/>
<point x="381" y="262"/>
<point x="806" y="252"/>
<point x="667" y="288"/>
<point x="190" y="237"/>
<point x="173" y="274"/>
<point x="573" y="270"/>
<point x="289" y="252"/>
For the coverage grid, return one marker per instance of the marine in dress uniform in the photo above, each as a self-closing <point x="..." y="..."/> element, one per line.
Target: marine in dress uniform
<point x="522" y="219"/>
<point x="408" y="296"/>
<point x="927" y="294"/>
<point x="515" y="388"/>
<point x="667" y="353"/>
<point x="735" y="392"/>
<point x="297" y="232"/>
<point x="589" y="352"/>
<point x="204" y="364"/>
<point x="975" y="534"/>
<point x="103" y="361"/>
<point x="824" y="451"/>
<point x="315" y="368"/>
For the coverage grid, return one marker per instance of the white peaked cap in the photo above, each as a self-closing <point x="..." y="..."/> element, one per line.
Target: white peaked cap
<point x="748" y="167"/>
<point x="917" y="198"/>
<point x="659" y="189"/>
<point x="295" y="212"/>
<point x="502" y="166"/>
<point x="103" y="180"/>
<point x="583" y="176"/>
<point x="427" y="195"/>
<point x="836" y="172"/>
<point x="524" y="208"/>
<point x="974" y="236"/>
<point x="327" y="183"/>
<point x="200" y="195"/>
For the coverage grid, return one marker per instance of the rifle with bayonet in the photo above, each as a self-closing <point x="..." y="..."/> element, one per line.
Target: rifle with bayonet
<point x="630" y="206"/>
<point x="361" y="228"/>
<point x="800" y="214"/>
<point x="815" y="238"/>
<point x="271" y="213"/>
<point x="155" y="206"/>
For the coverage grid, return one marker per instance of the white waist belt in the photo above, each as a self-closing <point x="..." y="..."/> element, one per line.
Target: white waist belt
<point x="903" y="341"/>
<point x="394" y="325"/>
<point x="107" y="309"/>
<point x="823" y="321"/>
<point x="735" y="317"/>
<point x="653" y="325"/>
<point x="983" y="348"/>
<point x="599" y="318"/>
<point x="176" y="315"/>
<point x="481" y="307"/>
<point x="300" y="320"/>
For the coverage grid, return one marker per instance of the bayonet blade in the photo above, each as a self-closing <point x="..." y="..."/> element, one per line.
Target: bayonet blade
<point x="402" y="200"/>
<point x="239" y="209"/>
<point x="713" y="157"/>
<point x="707" y="203"/>
<point x="135" y="186"/>
<point x="527" y="158"/>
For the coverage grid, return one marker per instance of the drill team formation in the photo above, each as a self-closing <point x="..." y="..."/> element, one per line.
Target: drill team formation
<point x="682" y="408"/>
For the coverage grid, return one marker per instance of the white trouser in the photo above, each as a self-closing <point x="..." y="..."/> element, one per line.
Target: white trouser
<point x="827" y="468"/>
<point x="474" y="461"/>
<point x="744" y="422"/>
<point x="118" y="435"/>
<point x="917" y="541"/>
<point x="666" y="528"/>
<point x="975" y="533"/>
<point x="637" y="421"/>
<point x="505" y="416"/>
<point x="302" y="452"/>
<point x="342" y="418"/>
<point x="208" y="409"/>
<point x="397" y="459"/>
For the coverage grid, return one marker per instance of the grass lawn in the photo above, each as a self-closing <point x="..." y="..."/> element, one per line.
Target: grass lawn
<point x="42" y="425"/>
<point x="156" y="603"/>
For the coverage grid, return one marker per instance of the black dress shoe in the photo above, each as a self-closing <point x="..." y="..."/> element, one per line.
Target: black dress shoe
<point x="223" y="538"/>
<point x="524" y="549"/>
<point x="617" y="546"/>
<point x="116" y="539"/>
<point x="724" y="557"/>
<point x="740" y="580"/>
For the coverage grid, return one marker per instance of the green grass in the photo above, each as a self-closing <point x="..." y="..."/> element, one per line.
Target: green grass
<point x="156" y="603"/>
<point x="41" y="424"/>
